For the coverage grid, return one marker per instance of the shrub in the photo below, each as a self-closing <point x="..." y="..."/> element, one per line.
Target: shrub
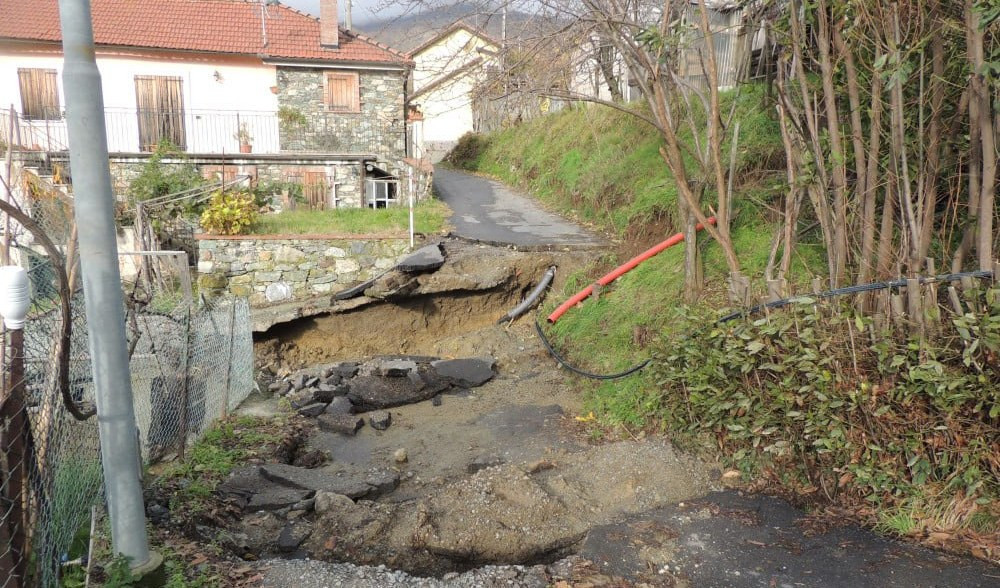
<point x="159" y="179"/>
<point x="291" y="118"/>
<point x="826" y="402"/>
<point x="229" y="213"/>
<point x="465" y="155"/>
<point x="264" y="190"/>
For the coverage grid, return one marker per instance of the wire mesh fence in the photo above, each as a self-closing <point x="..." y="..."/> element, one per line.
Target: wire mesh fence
<point x="190" y="364"/>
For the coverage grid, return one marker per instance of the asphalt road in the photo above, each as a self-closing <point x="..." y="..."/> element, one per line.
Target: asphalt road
<point x="487" y="210"/>
<point x="728" y="539"/>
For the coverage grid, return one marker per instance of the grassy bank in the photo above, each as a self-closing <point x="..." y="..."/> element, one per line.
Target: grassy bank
<point x="603" y="167"/>
<point x="429" y="217"/>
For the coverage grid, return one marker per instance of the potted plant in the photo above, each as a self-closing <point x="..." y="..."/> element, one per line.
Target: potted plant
<point x="245" y="138"/>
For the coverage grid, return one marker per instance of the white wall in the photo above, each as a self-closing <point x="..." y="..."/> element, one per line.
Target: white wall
<point x="446" y="55"/>
<point x="243" y="85"/>
<point x="587" y="79"/>
<point x="447" y="109"/>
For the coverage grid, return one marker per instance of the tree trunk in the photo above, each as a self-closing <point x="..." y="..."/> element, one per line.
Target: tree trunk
<point x="605" y="57"/>
<point x="868" y="263"/>
<point x="837" y="158"/>
<point x="929" y="187"/>
<point x="984" y="122"/>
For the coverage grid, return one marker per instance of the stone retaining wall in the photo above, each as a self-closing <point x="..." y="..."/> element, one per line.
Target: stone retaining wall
<point x="277" y="268"/>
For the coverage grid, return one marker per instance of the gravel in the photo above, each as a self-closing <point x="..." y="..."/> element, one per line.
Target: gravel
<point x="317" y="574"/>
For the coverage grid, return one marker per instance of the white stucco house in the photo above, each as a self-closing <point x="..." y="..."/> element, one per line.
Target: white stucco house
<point x="251" y="87"/>
<point x="447" y="69"/>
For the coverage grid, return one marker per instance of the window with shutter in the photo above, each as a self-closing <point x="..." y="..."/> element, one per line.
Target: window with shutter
<point x="343" y="93"/>
<point x="39" y="94"/>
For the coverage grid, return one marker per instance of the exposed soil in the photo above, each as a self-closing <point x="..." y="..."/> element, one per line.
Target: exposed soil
<point x="474" y="288"/>
<point x="506" y="474"/>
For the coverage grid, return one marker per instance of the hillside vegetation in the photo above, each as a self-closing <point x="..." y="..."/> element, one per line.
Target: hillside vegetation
<point x="823" y="400"/>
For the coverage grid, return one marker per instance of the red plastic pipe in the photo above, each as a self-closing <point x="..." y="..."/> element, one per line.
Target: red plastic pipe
<point x="621" y="270"/>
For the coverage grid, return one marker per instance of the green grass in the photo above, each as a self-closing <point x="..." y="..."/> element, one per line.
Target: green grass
<point x="604" y="167"/>
<point x="429" y="217"/>
<point x="221" y="449"/>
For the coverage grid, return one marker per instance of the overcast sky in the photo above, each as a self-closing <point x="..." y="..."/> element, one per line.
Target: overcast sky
<point x="364" y="10"/>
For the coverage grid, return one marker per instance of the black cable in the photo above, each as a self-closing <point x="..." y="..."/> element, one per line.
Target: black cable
<point x="857" y="289"/>
<point x="584" y="373"/>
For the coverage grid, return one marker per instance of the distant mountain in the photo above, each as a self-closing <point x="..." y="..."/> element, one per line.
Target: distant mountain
<point x="409" y="31"/>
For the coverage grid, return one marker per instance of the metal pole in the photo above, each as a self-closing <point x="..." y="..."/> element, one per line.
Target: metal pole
<point x="411" y="207"/>
<point x="102" y="285"/>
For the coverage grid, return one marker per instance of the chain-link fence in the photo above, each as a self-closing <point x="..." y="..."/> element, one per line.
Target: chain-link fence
<point x="190" y="364"/>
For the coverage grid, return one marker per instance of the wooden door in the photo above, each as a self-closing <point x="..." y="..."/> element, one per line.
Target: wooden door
<point x="160" y="108"/>
<point x="316" y="189"/>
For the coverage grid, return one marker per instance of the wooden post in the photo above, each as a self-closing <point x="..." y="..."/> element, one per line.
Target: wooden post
<point x="185" y="385"/>
<point x="969" y="293"/>
<point x="898" y="310"/>
<point x="739" y="289"/>
<point x="229" y="359"/>
<point x="932" y="311"/>
<point x="914" y="306"/>
<point x="956" y="302"/>
<point x="185" y="276"/>
<point x="14" y="444"/>
<point x="776" y="289"/>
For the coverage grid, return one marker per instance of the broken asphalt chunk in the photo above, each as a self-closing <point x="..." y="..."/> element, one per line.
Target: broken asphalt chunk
<point x="380" y="420"/>
<point x="424" y="259"/>
<point x="340" y="406"/>
<point x="344" y="424"/>
<point x="314" y="480"/>
<point x="465" y="373"/>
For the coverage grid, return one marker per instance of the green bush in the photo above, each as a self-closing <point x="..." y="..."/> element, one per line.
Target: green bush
<point x="159" y="179"/>
<point x="264" y="191"/>
<point x="824" y="401"/>
<point x="466" y="154"/>
<point x="230" y="213"/>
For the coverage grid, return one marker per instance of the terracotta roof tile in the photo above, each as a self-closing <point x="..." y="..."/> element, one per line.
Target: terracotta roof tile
<point x="215" y="26"/>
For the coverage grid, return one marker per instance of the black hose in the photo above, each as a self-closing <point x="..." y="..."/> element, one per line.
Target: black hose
<point x="528" y="302"/>
<point x="857" y="289"/>
<point x="584" y="373"/>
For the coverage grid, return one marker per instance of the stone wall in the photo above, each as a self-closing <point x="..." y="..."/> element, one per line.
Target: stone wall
<point x="379" y="128"/>
<point x="269" y="269"/>
<point x="345" y="173"/>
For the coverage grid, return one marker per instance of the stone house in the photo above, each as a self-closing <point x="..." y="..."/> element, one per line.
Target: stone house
<point x="251" y="88"/>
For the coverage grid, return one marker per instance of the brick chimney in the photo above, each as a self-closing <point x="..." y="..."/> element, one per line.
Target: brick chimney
<point x="329" y="35"/>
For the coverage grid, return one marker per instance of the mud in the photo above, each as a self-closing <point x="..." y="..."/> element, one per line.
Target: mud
<point x="499" y="474"/>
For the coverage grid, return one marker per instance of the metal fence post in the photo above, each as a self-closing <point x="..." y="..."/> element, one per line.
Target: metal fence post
<point x="102" y="286"/>
<point x="185" y="389"/>
<point x="229" y="360"/>
<point x="14" y="448"/>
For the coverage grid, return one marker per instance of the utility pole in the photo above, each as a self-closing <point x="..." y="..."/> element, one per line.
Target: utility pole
<point x="93" y="204"/>
<point x="503" y="28"/>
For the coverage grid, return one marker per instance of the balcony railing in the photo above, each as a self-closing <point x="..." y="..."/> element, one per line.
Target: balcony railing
<point x="215" y="132"/>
